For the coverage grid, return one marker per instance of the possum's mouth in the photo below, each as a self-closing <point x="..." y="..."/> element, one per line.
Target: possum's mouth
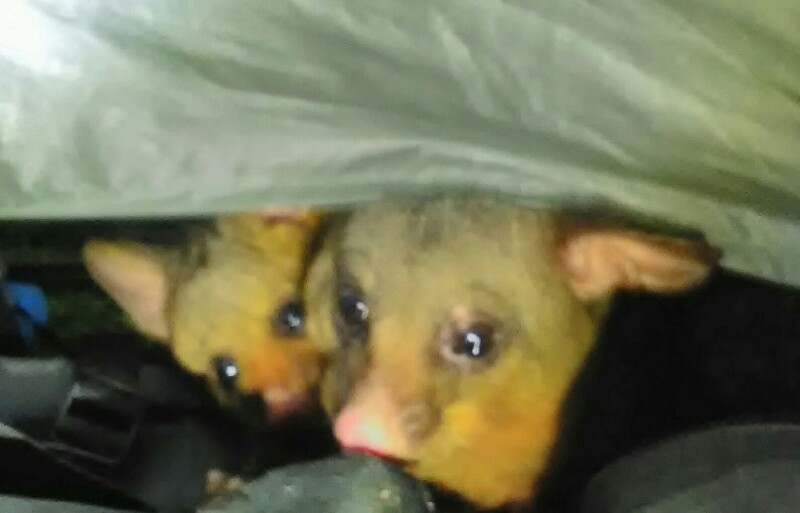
<point x="283" y="404"/>
<point x="372" y="453"/>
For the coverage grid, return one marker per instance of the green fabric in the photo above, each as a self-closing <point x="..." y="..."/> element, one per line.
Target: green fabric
<point x="686" y="111"/>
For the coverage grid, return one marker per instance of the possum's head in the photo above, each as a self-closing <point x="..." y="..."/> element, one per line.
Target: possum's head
<point x="457" y="327"/>
<point x="228" y="305"/>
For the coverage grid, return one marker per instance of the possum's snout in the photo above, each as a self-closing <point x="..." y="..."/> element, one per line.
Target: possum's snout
<point x="283" y="403"/>
<point x="369" y="423"/>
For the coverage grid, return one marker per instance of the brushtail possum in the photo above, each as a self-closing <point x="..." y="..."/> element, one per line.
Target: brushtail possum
<point x="228" y="304"/>
<point x="456" y="327"/>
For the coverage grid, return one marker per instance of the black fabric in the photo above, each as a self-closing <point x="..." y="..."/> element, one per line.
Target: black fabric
<point x="172" y="452"/>
<point x="727" y="353"/>
<point x="182" y="432"/>
<point x="10" y="339"/>
<point x="737" y="469"/>
<point x="29" y="471"/>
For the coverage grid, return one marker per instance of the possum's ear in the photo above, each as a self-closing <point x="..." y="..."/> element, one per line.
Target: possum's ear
<point x="302" y="216"/>
<point x="247" y="223"/>
<point x="272" y="223"/>
<point x="601" y="261"/>
<point x="135" y="276"/>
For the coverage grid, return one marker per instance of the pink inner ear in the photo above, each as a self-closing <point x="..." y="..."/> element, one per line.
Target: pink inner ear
<point x="277" y="215"/>
<point x="599" y="262"/>
<point x="136" y="280"/>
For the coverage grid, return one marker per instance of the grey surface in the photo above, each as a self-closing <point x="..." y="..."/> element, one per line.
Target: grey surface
<point x="335" y="485"/>
<point x="34" y="388"/>
<point x="739" y="469"/>
<point x="12" y="504"/>
<point x="687" y="111"/>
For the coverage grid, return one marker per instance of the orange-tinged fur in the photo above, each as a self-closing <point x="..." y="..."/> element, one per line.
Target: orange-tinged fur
<point x="484" y="429"/>
<point x="217" y="296"/>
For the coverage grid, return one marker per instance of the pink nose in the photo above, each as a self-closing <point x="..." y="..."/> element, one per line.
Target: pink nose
<point x="372" y="422"/>
<point x="356" y="430"/>
<point x="360" y="430"/>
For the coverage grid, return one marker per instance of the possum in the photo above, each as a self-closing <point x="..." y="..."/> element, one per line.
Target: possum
<point x="228" y="304"/>
<point x="454" y="328"/>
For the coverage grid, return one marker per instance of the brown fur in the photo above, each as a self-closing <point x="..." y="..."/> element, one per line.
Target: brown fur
<point x="484" y="432"/>
<point x="217" y="296"/>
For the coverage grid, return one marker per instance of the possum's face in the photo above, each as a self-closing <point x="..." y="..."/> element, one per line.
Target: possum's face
<point x="455" y="332"/>
<point x="228" y="305"/>
<point x="239" y="320"/>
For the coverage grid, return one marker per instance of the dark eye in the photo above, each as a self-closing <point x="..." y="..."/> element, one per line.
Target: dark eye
<point x="352" y="315"/>
<point x="476" y="342"/>
<point x="227" y="372"/>
<point x="290" y="319"/>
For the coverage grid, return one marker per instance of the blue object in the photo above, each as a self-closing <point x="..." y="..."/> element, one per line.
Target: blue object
<point x="32" y="301"/>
